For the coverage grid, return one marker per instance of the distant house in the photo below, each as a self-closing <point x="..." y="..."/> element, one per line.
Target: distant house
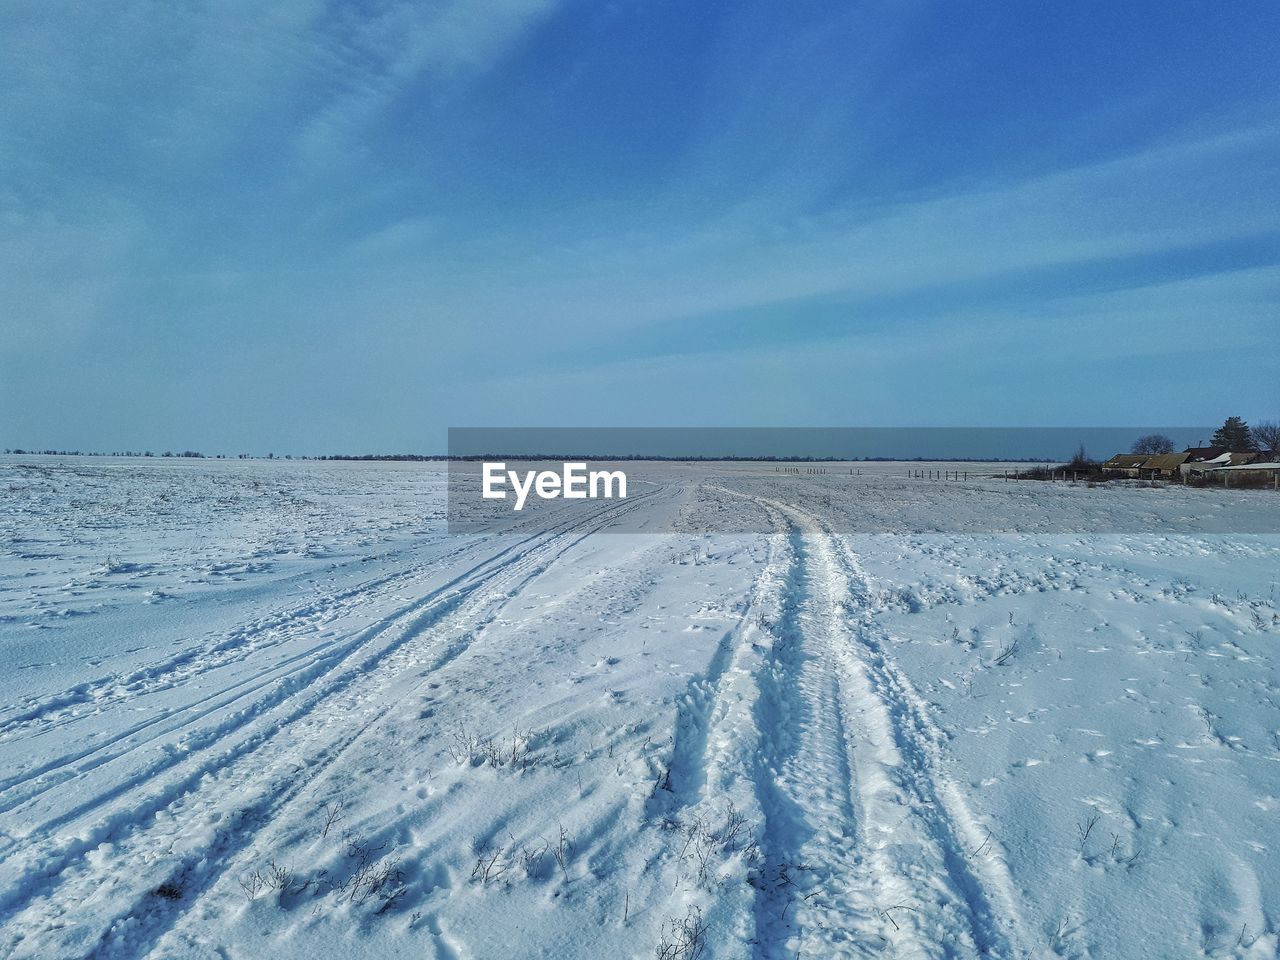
<point x="1221" y="458"/>
<point x="1197" y="457"/>
<point x="1246" y="472"/>
<point x="1204" y="454"/>
<point x="1127" y="463"/>
<point x="1162" y="466"/>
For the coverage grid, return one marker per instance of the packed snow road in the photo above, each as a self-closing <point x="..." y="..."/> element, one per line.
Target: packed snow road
<point x="275" y="708"/>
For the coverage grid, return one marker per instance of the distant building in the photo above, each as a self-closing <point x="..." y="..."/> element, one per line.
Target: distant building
<point x="1127" y="463"/>
<point x="1203" y="454"/>
<point x="1162" y="466"/>
<point x="1221" y="458"/>
<point x="1192" y="461"/>
<point x="1246" y="473"/>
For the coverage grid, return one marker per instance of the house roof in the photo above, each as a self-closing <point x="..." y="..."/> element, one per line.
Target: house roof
<point x="1165" y="461"/>
<point x="1225" y="460"/>
<point x="1248" y="467"/>
<point x="1201" y="454"/>
<point x="1127" y="461"/>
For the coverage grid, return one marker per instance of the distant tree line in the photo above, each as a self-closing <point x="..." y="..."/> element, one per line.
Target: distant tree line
<point x="425" y="457"/>
<point x="1234" y="434"/>
<point x="116" y="453"/>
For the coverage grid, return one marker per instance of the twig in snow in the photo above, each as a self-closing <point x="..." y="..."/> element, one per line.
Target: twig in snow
<point x="683" y="938"/>
<point x="1086" y="827"/>
<point x="887" y="913"/>
<point x="333" y="813"/>
<point x="563" y="851"/>
<point x="982" y="846"/>
<point x="1006" y="653"/>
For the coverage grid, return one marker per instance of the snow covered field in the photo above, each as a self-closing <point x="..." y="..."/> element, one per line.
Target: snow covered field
<point x="272" y="709"/>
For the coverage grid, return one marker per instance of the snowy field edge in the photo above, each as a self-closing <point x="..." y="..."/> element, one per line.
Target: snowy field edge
<point x="275" y="707"/>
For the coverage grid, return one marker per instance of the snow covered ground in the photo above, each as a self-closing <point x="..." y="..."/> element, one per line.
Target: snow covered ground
<point x="274" y="709"/>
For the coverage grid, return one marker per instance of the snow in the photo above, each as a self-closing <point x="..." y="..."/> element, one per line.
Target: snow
<point x="275" y="708"/>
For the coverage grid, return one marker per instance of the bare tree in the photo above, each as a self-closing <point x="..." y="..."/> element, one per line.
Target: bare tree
<point x="1266" y="434"/>
<point x="1081" y="461"/>
<point x="1152" y="443"/>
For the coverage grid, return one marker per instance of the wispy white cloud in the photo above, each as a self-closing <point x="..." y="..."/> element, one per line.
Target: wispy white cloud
<point x="149" y="94"/>
<point x="118" y="117"/>
<point x="606" y="278"/>
<point x="372" y="59"/>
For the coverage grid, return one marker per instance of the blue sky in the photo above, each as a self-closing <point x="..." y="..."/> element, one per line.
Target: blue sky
<point x="313" y="227"/>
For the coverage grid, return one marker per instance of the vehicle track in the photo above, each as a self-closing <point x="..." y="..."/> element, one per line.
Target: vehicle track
<point x="37" y="716"/>
<point x="811" y="893"/>
<point x="303" y="667"/>
<point x="767" y="715"/>
<point x="876" y="845"/>
<point x="712" y="707"/>
<point x="974" y="865"/>
<point x="282" y="677"/>
<point x="54" y="872"/>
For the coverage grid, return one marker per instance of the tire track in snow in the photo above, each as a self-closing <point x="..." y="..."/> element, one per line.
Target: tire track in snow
<point x="189" y="667"/>
<point x="811" y="898"/>
<point x="309" y="666"/>
<point x="764" y="729"/>
<point x="712" y="705"/>
<point x="56" y="710"/>
<point x="920" y="836"/>
<point x="53" y="873"/>
<point x="164" y="916"/>
<point x="305" y="667"/>
<point x="848" y="778"/>
<point x="982" y="882"/>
